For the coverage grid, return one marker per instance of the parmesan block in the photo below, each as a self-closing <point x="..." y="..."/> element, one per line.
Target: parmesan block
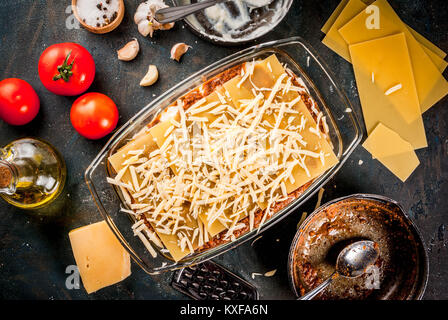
<point x="431" y="86"/>
<point x="395" y="153"/>
<point x="388" y="59"/>
<point x="101" y="259"/>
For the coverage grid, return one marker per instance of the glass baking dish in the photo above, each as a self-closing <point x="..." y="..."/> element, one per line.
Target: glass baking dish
<point x="345" y="135"/>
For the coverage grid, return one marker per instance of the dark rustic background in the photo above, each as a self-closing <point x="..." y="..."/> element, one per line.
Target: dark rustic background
<point x="34" y="246"/>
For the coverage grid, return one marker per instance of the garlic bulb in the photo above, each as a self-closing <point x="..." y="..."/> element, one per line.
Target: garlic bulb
<point x="144" y="17"/>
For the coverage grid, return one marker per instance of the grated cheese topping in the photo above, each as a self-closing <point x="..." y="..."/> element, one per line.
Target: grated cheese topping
<point x="217" y="163"/>
<point x="393" y="89"/>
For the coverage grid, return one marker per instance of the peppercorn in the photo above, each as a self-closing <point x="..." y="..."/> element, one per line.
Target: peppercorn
<point x="114" y="16"/>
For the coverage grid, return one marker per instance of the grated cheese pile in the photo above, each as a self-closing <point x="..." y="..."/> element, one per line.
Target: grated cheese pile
<point x="238" y="151"/>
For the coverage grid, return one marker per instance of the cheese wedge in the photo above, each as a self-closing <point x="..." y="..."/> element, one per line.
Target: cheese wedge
<point x="431" y="86"/>
<point x="101" y="259"/>
<point x="392" y="151"/>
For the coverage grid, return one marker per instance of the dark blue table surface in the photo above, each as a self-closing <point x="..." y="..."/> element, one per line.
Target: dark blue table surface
<point x="34" y="246"/>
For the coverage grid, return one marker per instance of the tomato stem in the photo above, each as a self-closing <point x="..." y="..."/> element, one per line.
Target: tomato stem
<point x="65" y="69"/>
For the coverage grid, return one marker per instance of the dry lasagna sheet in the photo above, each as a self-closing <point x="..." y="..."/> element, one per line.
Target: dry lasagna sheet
<point x="231" y="155"/>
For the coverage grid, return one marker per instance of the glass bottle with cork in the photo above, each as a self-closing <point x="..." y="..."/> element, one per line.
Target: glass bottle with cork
<point x="32" y="173"/>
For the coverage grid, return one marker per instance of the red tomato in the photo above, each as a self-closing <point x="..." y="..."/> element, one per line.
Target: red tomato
<point x="19" y="103"/>
<point x="94" y="115"/>
<point x="66" y="69"/>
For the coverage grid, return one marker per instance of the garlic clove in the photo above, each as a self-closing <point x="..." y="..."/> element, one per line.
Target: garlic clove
<point x="178" y="50"/>
<point x="129" y="51"/>
<point x="151" y="76"/>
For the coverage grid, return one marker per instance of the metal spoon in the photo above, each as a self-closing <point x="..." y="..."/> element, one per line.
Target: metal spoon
<point x="172" y="14"/>
<point x="352" y="262"/>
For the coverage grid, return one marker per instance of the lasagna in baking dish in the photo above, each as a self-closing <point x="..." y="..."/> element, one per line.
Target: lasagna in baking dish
<point x="223" y="159"/>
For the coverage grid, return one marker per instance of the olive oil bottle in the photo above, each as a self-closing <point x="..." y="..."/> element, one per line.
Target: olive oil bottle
<point x="32" y="173"/>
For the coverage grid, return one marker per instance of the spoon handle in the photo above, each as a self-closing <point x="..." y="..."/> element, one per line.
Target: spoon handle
<point x="311" y="294"/>
<point x="172" y="14"/>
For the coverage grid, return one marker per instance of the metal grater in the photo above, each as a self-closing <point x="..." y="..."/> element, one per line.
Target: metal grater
<point x="210" y="281"/>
